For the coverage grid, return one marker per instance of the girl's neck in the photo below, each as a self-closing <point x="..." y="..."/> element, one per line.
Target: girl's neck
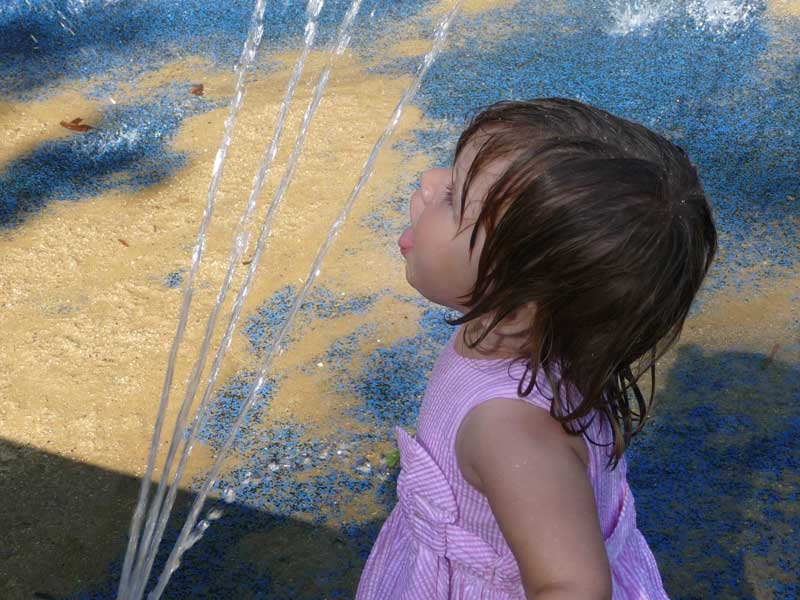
<point x="493" y="347"/>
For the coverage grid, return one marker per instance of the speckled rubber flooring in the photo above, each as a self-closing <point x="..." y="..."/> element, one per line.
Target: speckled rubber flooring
<point x="96" y="233"/>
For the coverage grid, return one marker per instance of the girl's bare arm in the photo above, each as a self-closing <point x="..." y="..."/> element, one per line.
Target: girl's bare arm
<point x="519" y="457"/>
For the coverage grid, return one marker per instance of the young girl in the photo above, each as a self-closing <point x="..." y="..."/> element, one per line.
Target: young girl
<point x="573" y="242"/>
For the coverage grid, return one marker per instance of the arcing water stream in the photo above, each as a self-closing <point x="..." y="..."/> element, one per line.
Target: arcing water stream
<point x="248" y="55"/>
<point x="159" y="514"/>
<point x="158" y="518"/>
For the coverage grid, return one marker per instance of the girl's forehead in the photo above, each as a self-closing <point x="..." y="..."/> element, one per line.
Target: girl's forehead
<point x="488" y="174"/>
<point x="492" y="169"/>
<point x="469" y="151"/>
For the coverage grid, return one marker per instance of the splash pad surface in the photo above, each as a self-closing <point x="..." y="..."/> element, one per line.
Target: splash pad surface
<point x="97" y="233"/>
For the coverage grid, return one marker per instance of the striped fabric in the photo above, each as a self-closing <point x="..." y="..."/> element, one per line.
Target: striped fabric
<point x="442" y="542"/>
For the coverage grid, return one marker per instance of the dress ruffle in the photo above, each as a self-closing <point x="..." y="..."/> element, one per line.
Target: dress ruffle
<point x="439" y="545"/>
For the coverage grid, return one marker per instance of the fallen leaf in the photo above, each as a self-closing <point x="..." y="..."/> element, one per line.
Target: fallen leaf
<point x="75" y="125"/>
<point x="197" y="89"/>
<point x="771" y="357"/>
<point x="123" y="242"/>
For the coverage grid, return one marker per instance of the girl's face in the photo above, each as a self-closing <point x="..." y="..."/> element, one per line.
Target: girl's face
<point x="438" y="262"/>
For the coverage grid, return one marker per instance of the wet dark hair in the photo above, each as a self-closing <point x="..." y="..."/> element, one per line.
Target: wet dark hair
<point x="603" y="226"/>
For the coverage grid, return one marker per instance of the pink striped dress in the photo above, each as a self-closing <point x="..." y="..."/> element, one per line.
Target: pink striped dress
<point x="442" y="541"/>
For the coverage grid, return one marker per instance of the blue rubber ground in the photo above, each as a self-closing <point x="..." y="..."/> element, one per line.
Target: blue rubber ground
<point x="730" y="97"/>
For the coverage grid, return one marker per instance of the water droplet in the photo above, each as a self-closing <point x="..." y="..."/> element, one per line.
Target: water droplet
<point x="362" y="465"/>
<point x="383" y="469"/>
<point x="241" y="241"/>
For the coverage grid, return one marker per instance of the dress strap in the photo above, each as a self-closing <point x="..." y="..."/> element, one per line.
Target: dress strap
<point x="625" y="526"/>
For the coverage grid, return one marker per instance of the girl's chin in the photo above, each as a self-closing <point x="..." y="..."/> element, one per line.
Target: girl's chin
<point x="430" y="297"/>
<point x="410" y="280"/>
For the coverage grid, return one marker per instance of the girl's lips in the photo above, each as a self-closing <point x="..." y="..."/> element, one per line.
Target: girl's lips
<point x="406" y="241"/>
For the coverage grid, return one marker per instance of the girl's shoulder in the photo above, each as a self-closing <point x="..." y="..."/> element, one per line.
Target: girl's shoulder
<point x="512" y="424"/>
<point x="514" y="417"/>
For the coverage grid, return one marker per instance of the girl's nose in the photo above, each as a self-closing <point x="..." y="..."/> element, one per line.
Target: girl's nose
<point x="432" y="184"/>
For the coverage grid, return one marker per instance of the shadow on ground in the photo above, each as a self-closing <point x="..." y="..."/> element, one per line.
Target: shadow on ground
<point x="65" y="528"/>
<point x="716" y="481"/>
<point x="717" y="473"/>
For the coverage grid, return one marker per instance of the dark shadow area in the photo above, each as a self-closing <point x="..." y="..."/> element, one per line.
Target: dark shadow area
<point x="715" y="479"/>
<point x="62" y="521"/>
<point x="65" y="528"/>
<point x="716" y="475"/>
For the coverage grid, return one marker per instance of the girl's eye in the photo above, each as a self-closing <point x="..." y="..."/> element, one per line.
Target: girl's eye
<point x="448" y="195"/>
